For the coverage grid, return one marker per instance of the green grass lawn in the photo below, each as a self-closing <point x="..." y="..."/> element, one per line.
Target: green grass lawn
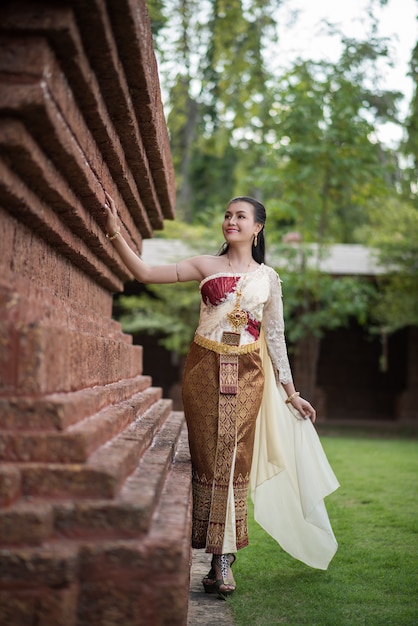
<point x="373" y="578"/>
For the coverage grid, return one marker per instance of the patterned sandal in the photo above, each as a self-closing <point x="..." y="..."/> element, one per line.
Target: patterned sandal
<point x="222" y="563"/>
<point x="209" y="580"/>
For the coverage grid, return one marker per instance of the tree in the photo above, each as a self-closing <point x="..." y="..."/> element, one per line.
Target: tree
<point x="410" y="146"/>
<point x="304" y="141"/>
<point x="157" y="17"/>
<point x="324" y="164"/>
<point x="213" y="68"/>
<point x="394" y="236"/>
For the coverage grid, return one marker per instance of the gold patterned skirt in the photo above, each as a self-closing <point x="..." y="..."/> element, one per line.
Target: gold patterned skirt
<point x="221" y="429"/>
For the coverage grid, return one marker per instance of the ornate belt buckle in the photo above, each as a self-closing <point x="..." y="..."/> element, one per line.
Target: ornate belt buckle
<point x="231" y="338"/>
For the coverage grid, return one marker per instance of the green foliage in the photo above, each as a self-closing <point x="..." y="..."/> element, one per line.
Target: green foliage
<point x="304" y="141"/>
<point x="410" y="146"/>
<point x="168" y="310"/>
<point x="233" y="71"/>
<point x="324" y="166"/>
<point x="157" y="17"/>
<point x="395" y="237"/>
<point x="317" y="302"/>
<point x="213" y="67"/>
<point x="204" y="238"/>
<point x="371" y="579"/>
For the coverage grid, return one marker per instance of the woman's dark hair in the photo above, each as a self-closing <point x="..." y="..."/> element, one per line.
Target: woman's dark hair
<point x="258" y="251"/>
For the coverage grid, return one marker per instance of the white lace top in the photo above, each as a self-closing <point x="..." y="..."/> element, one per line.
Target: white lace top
<point x="261" y="299"/>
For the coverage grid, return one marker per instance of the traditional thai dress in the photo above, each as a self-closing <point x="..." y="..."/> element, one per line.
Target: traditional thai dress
<point x="243" y="435"/>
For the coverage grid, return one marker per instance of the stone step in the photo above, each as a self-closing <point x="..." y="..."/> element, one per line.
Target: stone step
<point x="58" y="411"/>
<point x="10" y="484"/>
<point x="32" y="521"/>
<point x="48" y="606"/>
<point x="30" y="307"/>
<point x="40" y="368"/>
<point x="77" y="443"/>
<point x="26" y="522"/>
<point x="94" y="578"/>
<point x="105" y="470"/>
<point x="130" y="513"/>
<point x="149" y="577"/>
<point x="53" y="564"/>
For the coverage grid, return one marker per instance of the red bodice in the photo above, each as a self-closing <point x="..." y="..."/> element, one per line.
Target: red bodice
<point x="215" y="290"/>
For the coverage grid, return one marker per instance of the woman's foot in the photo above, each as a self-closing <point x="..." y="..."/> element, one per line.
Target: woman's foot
<point x="225" y="583"/>
<point x="209" y="581"/>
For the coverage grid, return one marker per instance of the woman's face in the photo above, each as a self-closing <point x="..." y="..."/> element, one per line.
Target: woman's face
<point x="238" y="224"/>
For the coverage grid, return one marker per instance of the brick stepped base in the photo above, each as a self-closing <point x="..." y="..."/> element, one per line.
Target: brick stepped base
<point x="95" y="488"/>
<point x="78" y="442"/>
<point x="81" y="539"/>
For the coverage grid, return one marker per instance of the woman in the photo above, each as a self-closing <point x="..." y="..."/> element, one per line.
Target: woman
<point x="237" y="357"/>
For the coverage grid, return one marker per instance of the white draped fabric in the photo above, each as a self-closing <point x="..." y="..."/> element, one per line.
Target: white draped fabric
<point x="290" y="477"/>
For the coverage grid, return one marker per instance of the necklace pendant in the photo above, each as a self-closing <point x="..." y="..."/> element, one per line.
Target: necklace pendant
<point x="238" y="318"/>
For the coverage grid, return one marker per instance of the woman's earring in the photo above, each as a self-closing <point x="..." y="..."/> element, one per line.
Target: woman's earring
<point x="255" y="240"/>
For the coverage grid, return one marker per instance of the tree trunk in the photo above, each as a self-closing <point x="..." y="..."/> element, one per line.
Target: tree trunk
<point x="305" y="364"/>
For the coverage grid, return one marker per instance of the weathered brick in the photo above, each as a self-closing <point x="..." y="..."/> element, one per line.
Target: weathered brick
<point x="130" y="513"/>
<point x="77" y="443"/>
<point x="105" y="470"/>
<point x="168" y="550"/>
<point x="26" y="523"/>
<point x="59" y="606"/>
<point x="173" y="556"/>
<point x="83" y="304"/>
<point x="38" y="63"/>
<point x="143" y="571"/>
<point x="121" y="455"/>
<point x="51" y="565"/>
<point x="30" y="342"/>
<point x="131" y="25"/>
<point x="104" y="57"/>
<point x="82" y="360"/>
<point x="47" y="607"/>
<point x="18" y="608"/>
<point x="42" y="177"/>
<point x="127" y="600"/>
<point x="59" y="27"/>
<point x="68" y="481"/>
<point x="10" y="483"/>
<point x="58" y="411"/>
<point x="95" y="508"/>
<point x="24" y="204"/>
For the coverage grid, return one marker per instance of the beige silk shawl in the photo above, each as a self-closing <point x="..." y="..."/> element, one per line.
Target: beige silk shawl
<point x="290" y="477"/>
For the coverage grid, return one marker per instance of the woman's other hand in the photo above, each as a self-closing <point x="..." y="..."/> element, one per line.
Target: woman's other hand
<point x="305" y="408"/>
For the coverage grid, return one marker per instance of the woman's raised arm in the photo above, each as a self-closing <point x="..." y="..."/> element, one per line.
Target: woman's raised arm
<point x="189" y="269"/>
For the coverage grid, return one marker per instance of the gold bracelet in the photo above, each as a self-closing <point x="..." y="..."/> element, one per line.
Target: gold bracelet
<point x="112" y="237"/>
<point x="290" y="398"/>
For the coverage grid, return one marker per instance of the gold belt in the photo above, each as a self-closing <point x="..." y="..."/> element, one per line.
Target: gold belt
<point x="224" y="348"/>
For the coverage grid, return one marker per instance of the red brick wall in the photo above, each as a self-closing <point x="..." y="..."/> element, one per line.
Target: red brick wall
<point x="94" y="470"/>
